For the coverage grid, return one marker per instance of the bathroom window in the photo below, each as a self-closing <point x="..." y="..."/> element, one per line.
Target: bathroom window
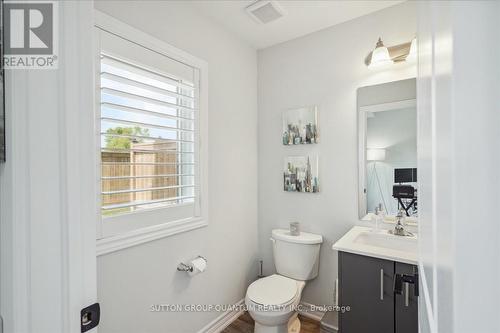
<point x="147" y="138"/>
<point x="151" y="164"/>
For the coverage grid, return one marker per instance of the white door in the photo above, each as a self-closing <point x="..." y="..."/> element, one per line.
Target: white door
<point x="48" y="205"/>
<point x="459" y="160"/>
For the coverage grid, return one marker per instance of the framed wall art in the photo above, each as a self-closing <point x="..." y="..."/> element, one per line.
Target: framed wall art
<point x="300" y="126"/>
<point x="300" y="174"/>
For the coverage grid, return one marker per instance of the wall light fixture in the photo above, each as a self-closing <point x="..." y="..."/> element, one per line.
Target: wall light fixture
<point x="383" y="55"/>
<point x="380" y="56"/>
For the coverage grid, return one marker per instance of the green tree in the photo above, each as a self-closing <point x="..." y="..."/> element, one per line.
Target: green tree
<point x="118" y="142"/>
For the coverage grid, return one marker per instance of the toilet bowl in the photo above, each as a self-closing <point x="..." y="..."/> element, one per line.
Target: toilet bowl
<point x="272" y="301"/>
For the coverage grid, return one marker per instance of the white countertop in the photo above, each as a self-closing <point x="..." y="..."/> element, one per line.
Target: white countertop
<point x="381" y="244"/>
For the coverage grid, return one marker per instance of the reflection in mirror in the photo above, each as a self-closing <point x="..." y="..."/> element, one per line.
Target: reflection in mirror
<point x="388" y="149"/>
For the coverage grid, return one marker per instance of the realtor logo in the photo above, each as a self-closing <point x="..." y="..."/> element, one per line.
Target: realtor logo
<point x="30" y="35"/>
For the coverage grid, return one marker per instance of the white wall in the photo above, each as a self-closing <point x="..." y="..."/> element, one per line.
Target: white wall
<point x="325" y="69"/>
<point x="130" y="281"/>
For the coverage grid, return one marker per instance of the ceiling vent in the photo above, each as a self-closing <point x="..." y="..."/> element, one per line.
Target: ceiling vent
<point x="265" y="11"/>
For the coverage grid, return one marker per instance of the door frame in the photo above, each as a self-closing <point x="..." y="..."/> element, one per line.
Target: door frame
<point x="458" y="158"/>
<point x="47" y="188"/>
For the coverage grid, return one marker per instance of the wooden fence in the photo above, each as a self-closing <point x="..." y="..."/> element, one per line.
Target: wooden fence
<point x="154" y="161"/>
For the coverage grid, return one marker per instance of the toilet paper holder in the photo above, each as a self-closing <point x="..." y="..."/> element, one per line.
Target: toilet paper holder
<point x="183" y="267"/>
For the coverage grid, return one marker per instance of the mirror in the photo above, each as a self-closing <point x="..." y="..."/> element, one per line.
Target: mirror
<point x="387" y="129"/>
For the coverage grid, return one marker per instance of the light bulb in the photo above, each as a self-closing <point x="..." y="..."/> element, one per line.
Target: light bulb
<point x="380" y="56"/>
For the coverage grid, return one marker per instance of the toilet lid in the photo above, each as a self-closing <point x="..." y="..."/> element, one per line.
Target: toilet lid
<point x="272" y="290"/>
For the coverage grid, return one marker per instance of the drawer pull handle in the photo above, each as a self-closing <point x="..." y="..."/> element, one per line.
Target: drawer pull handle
<point x="382" y="284"/>
<point x="407" y="294"/>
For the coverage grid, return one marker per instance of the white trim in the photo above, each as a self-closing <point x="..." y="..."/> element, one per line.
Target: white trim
<point x="361" y="116"/>
<point x="148" y="233"/>
<point x="143" y="235"/>
<point x="306" y="310"/>
<point x="426" y="298"/>
<point x="404" y="104"/>
<point x="119" y="28"/>
<point x="78" y="211"/>
<point x="97" y="129"/>
<point x="15" y="294"/>
<point x="225" y="319"/>
<point x="362" y="186"/>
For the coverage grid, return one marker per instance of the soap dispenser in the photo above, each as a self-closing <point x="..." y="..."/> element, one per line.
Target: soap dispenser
<point x="376" y="218"/>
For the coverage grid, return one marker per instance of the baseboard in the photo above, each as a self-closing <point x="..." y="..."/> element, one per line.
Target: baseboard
<point x="307" y="311"/>
<point x="224" y="320"/>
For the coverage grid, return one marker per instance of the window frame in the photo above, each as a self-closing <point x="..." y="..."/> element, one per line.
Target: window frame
<point x="148" y="227"/>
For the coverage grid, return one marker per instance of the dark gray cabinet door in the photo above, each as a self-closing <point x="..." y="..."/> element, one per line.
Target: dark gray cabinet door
<point x="366" y="285"/>
<point x="406" y="306"/>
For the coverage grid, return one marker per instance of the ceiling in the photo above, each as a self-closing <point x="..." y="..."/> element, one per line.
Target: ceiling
<point x="301" y="17"/>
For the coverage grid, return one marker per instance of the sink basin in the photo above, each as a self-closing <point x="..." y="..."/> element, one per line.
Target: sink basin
<point x="385" y="240"/>
<point x="382" y="244"/>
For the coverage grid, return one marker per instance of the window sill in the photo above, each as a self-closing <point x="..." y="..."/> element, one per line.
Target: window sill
<point x="144" y="235"/>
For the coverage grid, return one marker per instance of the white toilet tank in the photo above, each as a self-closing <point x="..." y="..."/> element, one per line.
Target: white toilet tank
<point x="296" y="257"/>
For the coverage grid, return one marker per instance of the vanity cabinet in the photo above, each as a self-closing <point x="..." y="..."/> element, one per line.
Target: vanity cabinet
<point x="367" y="286"/>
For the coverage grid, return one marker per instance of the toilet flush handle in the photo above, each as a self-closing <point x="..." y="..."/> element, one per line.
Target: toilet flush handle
<point x="272" y="240"/>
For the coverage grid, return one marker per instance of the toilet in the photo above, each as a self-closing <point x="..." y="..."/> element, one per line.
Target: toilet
<point x="272" y="301"/>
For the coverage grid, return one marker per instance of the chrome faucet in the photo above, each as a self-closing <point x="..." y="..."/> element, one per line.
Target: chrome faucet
<point x="399" y="229"/>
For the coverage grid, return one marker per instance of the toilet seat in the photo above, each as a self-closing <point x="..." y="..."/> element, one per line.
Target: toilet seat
<point x="273" y="290"/>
